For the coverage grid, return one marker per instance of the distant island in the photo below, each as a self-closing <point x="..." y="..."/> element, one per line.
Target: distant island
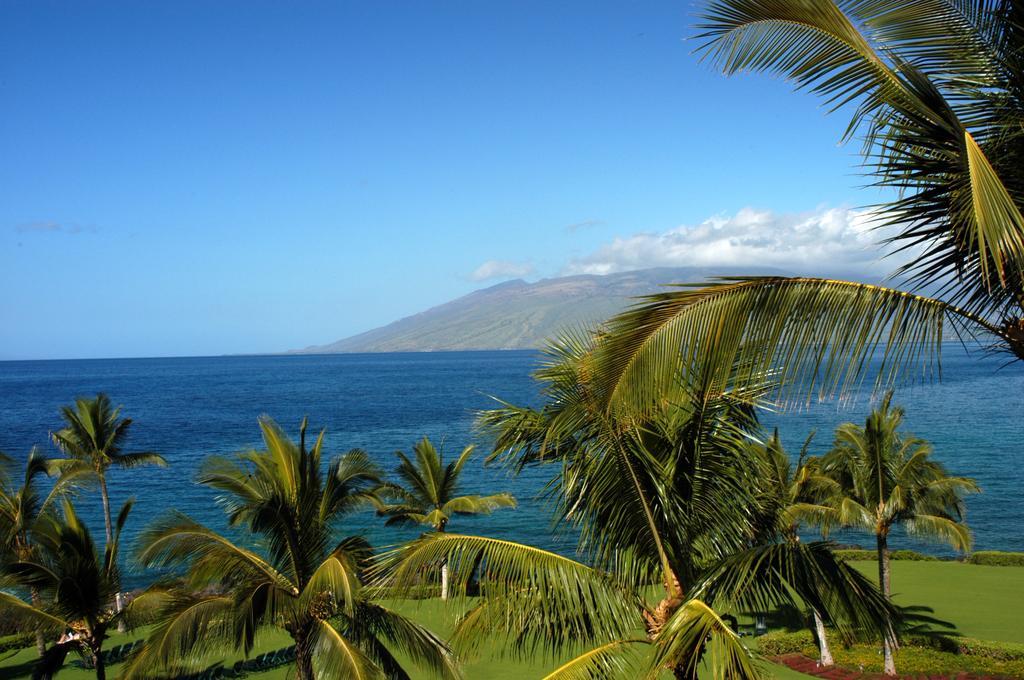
<point x="521" y="315"/>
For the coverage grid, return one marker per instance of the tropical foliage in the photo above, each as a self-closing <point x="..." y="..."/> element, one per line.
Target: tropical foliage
<point x="305" y="579"/>
<point x="788" y="496"/>
<point x="93" y="438"/>
<point x="74" y="585"/>
<point x="428" y="493"/>
<point x="667" y="499"/>
<point x="934" y="90"/>
<point x="877" y="478"/>
<point x="25" y="510"/>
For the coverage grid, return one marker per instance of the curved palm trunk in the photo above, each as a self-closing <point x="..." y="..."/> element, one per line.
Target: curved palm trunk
<point x="824" y="652"/>
<point x="109" y="525"/>
<point x="883" y="583"/>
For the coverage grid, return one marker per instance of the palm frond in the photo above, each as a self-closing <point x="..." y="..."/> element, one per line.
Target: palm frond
<point x="538" y="598"/>
<point x="764" y="577"/>
<point x="138" y="459"/>
<point x="817" y="337"/>
<point x="336" y="657"/>
<point x="696" y="633"/>
<point x="177" y="539"/>
<point x="619" y="658"/>
<point x="189" y="628"/>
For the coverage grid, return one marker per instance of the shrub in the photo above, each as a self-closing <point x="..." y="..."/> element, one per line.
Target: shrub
<point x="916" y="655"/>
<point x="870" y="555"/>
<point x="15" y="642"/>
<point x="779" y="643"/>
<point x="996" y="558"/>
<point x="1000" y="651"/>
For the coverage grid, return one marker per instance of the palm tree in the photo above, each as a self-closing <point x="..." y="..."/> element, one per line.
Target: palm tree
<point x="933" y="87"/>
<point x="880" y="478"/>
<point x="429" y="495"/>
<point x="666" y="500"/>
<point x="93" y="437"/>
<point x="788" y="493"/>
<point x="23" y="510"/>
<point x="74" y="584"/>
<point x="306" y="580"/>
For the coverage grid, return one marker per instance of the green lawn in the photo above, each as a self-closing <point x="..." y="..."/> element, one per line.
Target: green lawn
<point x="983" y="602"/>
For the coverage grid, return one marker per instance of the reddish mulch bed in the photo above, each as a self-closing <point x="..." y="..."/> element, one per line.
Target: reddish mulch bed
<point x="802" y="664"/>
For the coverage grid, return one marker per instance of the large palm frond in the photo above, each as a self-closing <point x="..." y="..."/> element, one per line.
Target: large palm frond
<point x="537" y="599"/>
<point x="816" y="337"/>
<point x="763" y="578"/>
<point x="695" y="635"/>
<point x="932" y="83"/>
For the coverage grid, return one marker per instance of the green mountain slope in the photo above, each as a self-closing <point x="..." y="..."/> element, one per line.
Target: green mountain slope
<point x="521" y="315"/>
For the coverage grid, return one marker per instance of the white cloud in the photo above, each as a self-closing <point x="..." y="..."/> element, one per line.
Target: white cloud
<point x="835" y="239"/>
<point x="500" y="269"/>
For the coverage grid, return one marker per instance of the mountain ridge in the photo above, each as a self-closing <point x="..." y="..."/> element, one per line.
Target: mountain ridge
<point x="517" y="314"/>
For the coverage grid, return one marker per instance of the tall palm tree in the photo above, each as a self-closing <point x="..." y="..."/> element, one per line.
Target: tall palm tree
<point x="305" y="580"/>
<point x="428" y="493"/>
<point x="663" y="500"/>
<point x="934" y="88"/>
<point x="880" y="478"/>
<point x="92" y="438"/>
<point x="75" y="586"/>
<point x="24" y="508"/>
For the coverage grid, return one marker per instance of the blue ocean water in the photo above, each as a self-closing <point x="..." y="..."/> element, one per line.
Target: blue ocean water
<point x="187" y="408"/>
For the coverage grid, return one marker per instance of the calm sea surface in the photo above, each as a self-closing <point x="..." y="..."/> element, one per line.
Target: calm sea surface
<point x="190" y="407"/>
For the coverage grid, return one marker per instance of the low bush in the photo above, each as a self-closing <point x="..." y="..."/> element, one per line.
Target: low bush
<point x="15" y="642"/>
<point x="916" y="655"/>
<point x="1001" y="651"/>
<point x="780" y="642"/>
<point x="996" y="558"/>
<point x="866" y="555"/>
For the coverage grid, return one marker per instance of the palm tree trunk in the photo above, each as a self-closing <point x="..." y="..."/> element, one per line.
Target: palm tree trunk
<point x="824" y="652"/>
<point x="97" y="660"/>
<point x="118" y="598"/>
<point x="40" y="638"/>
<point x="303" y="655"/>
<point x="444" y="568"/>
<point x="883" y="583"/>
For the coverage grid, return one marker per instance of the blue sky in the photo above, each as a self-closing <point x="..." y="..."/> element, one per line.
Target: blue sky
<point x="183" y="178"/>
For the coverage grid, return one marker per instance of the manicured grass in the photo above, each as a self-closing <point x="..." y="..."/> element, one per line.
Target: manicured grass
<point x="984" y="602"/>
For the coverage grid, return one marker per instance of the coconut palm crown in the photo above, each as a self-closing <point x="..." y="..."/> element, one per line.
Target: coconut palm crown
<point x="878" y="478"/>
<point x="93" y="439"/>
<point x="302" y="577"/>
<point x="428" y="491"/>
<point x="934" y="90"/>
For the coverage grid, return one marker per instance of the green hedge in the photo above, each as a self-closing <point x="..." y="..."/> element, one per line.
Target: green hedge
<point x="780" y="642"/>
<point x="868" y="555"/>
<point x="996" y="558"/>
<point x="916" y="655"/>
<point x="14" y="642"/>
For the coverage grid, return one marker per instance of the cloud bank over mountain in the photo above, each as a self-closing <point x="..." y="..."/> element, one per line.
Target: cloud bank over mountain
<point x="500" y="269"/>
<point x="821" y="241"/>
